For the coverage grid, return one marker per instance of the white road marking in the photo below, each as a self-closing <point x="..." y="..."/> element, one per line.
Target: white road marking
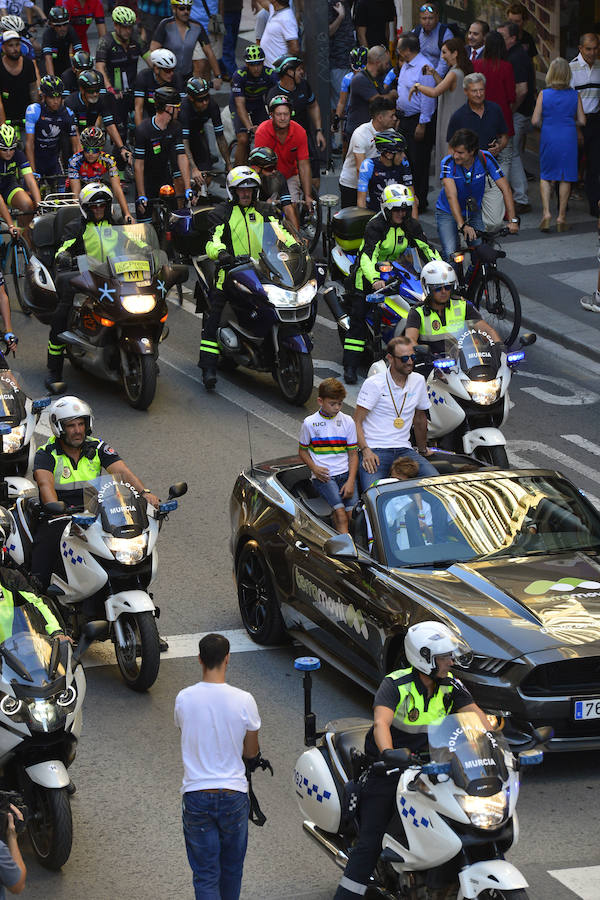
<point x="584" y="881"/>
<point x="514" y="448"/>
<point x="583" y="443"/>
<point x="576" y="397"/>
<point x="327" y="323"/>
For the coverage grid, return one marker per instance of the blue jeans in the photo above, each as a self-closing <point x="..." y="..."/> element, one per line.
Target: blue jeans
<point x="231" y="21"/>
<point x="330" y="491"/>
<point x="386" y="458"/>
<point x="215" y="827"/>
<point x="448" y="231"/>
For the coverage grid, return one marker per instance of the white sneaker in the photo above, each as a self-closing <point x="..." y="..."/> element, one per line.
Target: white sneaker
<point x="591" y="302"/>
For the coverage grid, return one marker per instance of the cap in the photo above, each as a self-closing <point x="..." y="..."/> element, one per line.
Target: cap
<point x="10" y="36"/>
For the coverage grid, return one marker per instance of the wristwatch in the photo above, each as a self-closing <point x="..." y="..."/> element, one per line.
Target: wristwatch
<point x="514" y="221"/>
<point x="146" y="491"/>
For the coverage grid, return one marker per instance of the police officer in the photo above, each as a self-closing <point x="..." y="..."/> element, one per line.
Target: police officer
<point x="406" y="703"/>
<point x="387" y="237"/>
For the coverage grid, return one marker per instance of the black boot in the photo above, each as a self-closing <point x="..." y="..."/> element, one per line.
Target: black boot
<point x="209" y="377"/>
<point x="163" y="644"/>
<point x="54" y="378"/>
<point x="350" y="375"/>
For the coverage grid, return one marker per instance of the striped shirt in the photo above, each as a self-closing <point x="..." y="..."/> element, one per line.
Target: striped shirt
<point x="586" y="81"/>
<point x="328" y="440"/>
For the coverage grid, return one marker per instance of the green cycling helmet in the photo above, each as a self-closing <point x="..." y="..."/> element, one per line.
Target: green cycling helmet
<point x="51" y="86"/>
<point x="389" y="140"/>
<point x="91" y="82"/>
<point x="254" y="54"/>
<point x="261" y="157"/>
<point x="8" y="137"/>
<point x="287" y="64"/>
<point x="279" y="100"/>
<point x="358" y="58"/>
<point x="123" y="15"/>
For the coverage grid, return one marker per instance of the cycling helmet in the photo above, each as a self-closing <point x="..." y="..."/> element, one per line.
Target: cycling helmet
<point x="8" y="137"/>
<point x="286" y="64"/>
<point x="254" y="54"/>
<point x="51" y="86"/>
<point x="389" y="140"/>
<point x="166" y="96"/>
<point x="197" y="88"/>
<point x="12" y="23"/>
<point x="262" y="156"/>
<point x="123" y="15"/>
<point x="164" y="59"/>
<point x="396" y="196"/>
<point x="10" y="35"/>
<point x="241" y="176"/>
<point x="358" y="58"/>
<point x="279" y="100"/>
<point x="82" y="61"/>
<point x="94" y="193"/>
<point x="58" y="15"/>
<point x="182" y="3"/>
<point x="90" y="81"/>
<point x="437" y="273"/>
<point x="92" y="139"/>
<point x="68" y="408"/>
<point x="426" y="641"/>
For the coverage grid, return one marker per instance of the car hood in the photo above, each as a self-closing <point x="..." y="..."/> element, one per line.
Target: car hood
<point x="520" y="606"/>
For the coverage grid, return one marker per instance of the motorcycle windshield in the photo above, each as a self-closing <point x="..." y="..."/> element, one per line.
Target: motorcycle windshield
<point x="121" y="508"/>
<point x="127" y="253"/>
<point x="12" y="400"/>
<point x="477" y="354"/>
<point x="477" y="757"/>
<point x="26" y="653"/>
<point x="279" y="255"/>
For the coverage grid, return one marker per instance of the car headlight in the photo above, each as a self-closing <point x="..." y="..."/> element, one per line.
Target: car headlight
<point x="128" y="551"/>
<point x="307" y="292"/>
<point x="484" y="392"/>
<point x="13" y="441"/>
<point x="138" y="303"/>
<point x="484" y="812"/>
<point x="280" y="296"/>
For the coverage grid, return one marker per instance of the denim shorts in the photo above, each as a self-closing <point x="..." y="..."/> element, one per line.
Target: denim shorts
<point x="330" y="491"/>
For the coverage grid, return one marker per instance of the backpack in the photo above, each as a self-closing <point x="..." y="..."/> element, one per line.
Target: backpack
<point x="454" y="27"/>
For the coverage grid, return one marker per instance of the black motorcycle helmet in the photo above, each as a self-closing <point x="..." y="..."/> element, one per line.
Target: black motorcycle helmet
<point x="90" y="82"/>
<point x="81" y="61"/>
<point x="166" y="96"/>
<point x="58" y="15"/>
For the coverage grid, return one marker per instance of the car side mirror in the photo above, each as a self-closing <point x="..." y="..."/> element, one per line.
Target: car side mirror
<point x="526" y="340"/>
<point x="178" y="489"/>
<point x="341" y="547"/>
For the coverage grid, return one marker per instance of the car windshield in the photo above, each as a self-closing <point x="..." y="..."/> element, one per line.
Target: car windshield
<point x="122" y="509"/>
<point x="12" y="400"/>
<point x="443" y="521"/>
<point x="26" y="654"/>
<point x="279" y="254"/>
<point x="479" y="759"/>
<point x="122" y="252"/>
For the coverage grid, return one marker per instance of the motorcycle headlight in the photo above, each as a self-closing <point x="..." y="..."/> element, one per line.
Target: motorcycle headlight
<point x="67" y="699"/>
<point x="484" y="812"/>
<point x="14" y="708"/>
<point x="484" y="392"/>
<point x="14" y="440"/>
<point x="307" y="292"/>
<point x="128" y="551"/>
<point x="45" y="713"/>
<point x="280" y="296"/>
<point x="138" y="303"/>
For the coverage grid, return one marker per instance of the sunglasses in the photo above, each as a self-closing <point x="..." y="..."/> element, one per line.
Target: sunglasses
<point x="405" y="358"/>
<point x="426" y="8"/>
<point x="441" y="287"/>
<point x="268" y="169"/>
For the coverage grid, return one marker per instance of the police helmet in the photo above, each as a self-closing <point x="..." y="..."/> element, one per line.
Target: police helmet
<point x="426" y="641"/>
<point x="67" y="408"/>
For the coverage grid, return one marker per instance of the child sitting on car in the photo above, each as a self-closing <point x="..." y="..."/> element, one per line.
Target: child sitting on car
<point x="328" y="446"/>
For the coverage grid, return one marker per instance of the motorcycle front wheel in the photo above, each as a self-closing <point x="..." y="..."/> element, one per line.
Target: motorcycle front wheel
<point x="50" y="825"/>
<point x="294" y="374"/>
<point x="140" y="383"/>
<point x="495" y="456"/>
<point x="496" y="894"/>
<point x="139" y="659"/>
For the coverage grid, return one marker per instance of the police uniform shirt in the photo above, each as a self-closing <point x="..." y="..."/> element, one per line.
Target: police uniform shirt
<point x="413" y="321"/>
<point x="44" y="459"/>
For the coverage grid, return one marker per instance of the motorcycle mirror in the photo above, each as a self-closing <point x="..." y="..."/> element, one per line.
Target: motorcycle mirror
<point x="179" y="274"/>
<point x="5" y="428"/>
<point x="57" y="387"/>
<point x="341" y="547"/>
<point x="329" y="200"/>
<point x="396" y="757"/>
<point x="178" y="489"/>
<point x="92" y="631"/>
<point x="531" y="757"/>
<point x="422" y="352"/>
<point x="526" y="340"/>
<point x="54" y="508"/>
<point x="39" y="405"/>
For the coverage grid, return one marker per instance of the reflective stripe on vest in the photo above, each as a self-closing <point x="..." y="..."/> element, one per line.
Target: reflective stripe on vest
<point x="66" y="477"/>
<point x="456" y="315"/>
<point x="410" y="714"/>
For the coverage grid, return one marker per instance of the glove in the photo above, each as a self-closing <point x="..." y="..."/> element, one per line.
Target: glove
<point x="63" y="261"/>
<point x="11" y="338"/>
<point x="225" y="259"/>
<point x="257" y="762"/>
<point x="189" y="194"/>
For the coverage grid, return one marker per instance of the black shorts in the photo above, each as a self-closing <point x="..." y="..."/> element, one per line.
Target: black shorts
<point x="257" y="115"/>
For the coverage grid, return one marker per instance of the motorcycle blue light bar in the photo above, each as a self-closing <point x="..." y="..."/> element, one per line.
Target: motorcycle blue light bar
<point x="515" y="356"/>
<point x="5" y="428"/>
<point x="445" y="363"/>
<point x="531" y="758"/>
<point x="167" y="506"/>
<point x="437" y="768"/>
<point x="38" y="405"/>
<point x="83" y="521"/>
<point x="374" y="298"/>
<point x="307" y="663"/>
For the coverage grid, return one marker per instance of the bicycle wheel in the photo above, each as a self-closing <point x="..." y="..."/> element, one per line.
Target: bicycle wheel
<point x="17" y="262"/>
<point x="310" y="224"/>
<point x="497" y="299"/>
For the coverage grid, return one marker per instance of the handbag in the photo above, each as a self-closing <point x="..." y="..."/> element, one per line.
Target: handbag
<point x="216" y="26"/>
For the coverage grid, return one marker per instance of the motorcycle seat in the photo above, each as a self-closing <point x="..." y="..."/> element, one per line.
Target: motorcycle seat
<point x="64" y="216"/>
<point x="349" y="742"/>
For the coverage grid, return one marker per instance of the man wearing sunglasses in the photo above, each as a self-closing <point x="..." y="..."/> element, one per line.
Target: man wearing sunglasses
<point x="432" y="35"/>
<point x="198" y="108"/>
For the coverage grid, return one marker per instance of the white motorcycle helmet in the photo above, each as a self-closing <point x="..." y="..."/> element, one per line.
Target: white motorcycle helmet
<point x="396" y="196"/>
<point x="426" y="641"/>
<point x="242" y="176"/>
<point x="164" y="59"/>
<point x="437" y="273"/>
<point x="67" y="408"/>
<point x="95" y="193"/>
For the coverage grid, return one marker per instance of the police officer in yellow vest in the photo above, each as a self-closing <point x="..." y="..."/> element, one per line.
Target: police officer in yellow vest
<point x="442" y="313"/>
<point x="406" y="703"/>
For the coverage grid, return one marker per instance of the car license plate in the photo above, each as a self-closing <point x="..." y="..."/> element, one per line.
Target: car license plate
<point x="586" y="709"/>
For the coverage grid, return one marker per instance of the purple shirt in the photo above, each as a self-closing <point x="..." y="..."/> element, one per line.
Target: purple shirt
<point x="419" y="104"/>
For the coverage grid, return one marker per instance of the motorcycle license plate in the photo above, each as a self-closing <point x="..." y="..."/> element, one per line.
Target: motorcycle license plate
<point x="586" y="709"/>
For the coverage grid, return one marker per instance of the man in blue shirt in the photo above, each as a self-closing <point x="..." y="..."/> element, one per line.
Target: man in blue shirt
<point x="432" y="35"/>
<point x="416" y="116"/>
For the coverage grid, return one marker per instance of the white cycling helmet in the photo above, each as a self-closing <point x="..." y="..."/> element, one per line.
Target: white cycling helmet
<point x="242" y="176"/>
<point x="67" y="408"/>
<point x="164" y="59"/>
<point x="426" y="641"/>
<point x="12" y="23"/>
<point x="437" y="273"/>
<point x="397" y="196"/>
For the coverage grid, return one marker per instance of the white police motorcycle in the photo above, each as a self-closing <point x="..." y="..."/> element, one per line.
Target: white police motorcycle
<point x="19" y="415"/>
<point x="455" y="805"/>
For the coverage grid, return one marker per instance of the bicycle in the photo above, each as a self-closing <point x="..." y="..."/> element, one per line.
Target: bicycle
<point x="14" y="257"/>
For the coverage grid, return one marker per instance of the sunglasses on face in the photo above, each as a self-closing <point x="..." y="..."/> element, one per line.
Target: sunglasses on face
<point x="441" y="287"/>
<point x="268" y="169"/>
<point x="406" y="357"/>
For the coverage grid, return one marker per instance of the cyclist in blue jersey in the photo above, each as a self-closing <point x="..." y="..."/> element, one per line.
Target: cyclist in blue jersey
<point x="45" y="124"/>
<point x="14" y="165"/>
<point x="390" y="167"/>
<point x="358" y="61"/>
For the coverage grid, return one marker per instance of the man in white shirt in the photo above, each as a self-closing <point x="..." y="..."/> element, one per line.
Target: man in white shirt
<point x="280" y="37"/>
<point x="389" y="404"/>
<point x="219" y="730"/>
<point x="362" y="146"/>
<point x="585" y="78"/>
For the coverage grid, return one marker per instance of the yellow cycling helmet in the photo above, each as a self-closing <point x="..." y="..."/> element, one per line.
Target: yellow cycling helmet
<point x="8" y="137"/>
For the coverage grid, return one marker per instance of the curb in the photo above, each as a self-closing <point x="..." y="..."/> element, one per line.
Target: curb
<point x="558" y="337"/>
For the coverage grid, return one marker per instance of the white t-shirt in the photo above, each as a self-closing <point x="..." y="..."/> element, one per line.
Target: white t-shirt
<point x="214" y="719"/>
<point x="328" y="440"/>
<point x="281" y="28"/>
<point x="378" y="425"/>
<point x="360" y="142"/>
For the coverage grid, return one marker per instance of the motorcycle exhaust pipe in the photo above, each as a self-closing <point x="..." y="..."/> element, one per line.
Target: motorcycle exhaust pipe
<point x="335" y="307"/>
<point x="340" y="858"/>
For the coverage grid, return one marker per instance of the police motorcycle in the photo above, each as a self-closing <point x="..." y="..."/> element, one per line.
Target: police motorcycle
<point x="455" y="803"/>
<point x="19" y="415"/>
<point x="118" y="317"/>
<point x="108" y="561"/>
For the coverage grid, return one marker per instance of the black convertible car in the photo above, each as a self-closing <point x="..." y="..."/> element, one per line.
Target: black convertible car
<point x="509" y="559"/>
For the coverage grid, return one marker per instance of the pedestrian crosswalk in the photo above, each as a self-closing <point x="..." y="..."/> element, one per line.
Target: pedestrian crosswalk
<point x="584" y="882"/>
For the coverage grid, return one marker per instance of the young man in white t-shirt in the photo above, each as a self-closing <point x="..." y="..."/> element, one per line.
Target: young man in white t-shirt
<point x="219" y="730"/>
<point x="389" y="404"/>
<point x="362" y="146"/>
<point x="280" y="36"/>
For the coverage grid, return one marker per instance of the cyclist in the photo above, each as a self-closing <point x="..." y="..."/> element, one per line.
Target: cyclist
<point x="18" y="80"/>
<point x="93" y="164"/>
<point x="117" y="61"/>
<point x="249" y="89"/>
<point x="390" y="167"/>
<point x="14" y="165"/>
<point x="289" y="141"/>
<point x="358" y="61"/>
<point x="159" y="152"/>
<point x="58" y="41"/>
<point x="16" y="23"/>
<point x="196" y="110"/>
<point x="160" y="74"/>
<point x="387" y="237"/>
<point x="80" y="62"/>
<point x="89" y="107"/>
<point x="188" y="40"/>
<point x="273" y="186"/>
<point x="45" y="123"/>
<point x="82" y="13"/>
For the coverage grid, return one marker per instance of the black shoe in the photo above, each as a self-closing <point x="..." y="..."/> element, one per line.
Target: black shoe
<point x="350" y="375"/>
<point x="54" y="383"/>
<point x="70" y="789"/>
<point x="522" y="208"/>
<point x="163" y="644"/>
<point x="209" y="378"/>
<point x="530" y="177"/>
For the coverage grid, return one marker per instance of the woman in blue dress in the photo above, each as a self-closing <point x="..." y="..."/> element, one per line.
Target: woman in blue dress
<point x="558" y="111"/>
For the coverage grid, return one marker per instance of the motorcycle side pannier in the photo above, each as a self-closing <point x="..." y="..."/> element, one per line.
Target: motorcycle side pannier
<point x="189" y="230"/>
<point x="349" y="226"/>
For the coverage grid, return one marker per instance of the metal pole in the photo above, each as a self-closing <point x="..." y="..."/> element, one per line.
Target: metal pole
<point x="316" y="57"/>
